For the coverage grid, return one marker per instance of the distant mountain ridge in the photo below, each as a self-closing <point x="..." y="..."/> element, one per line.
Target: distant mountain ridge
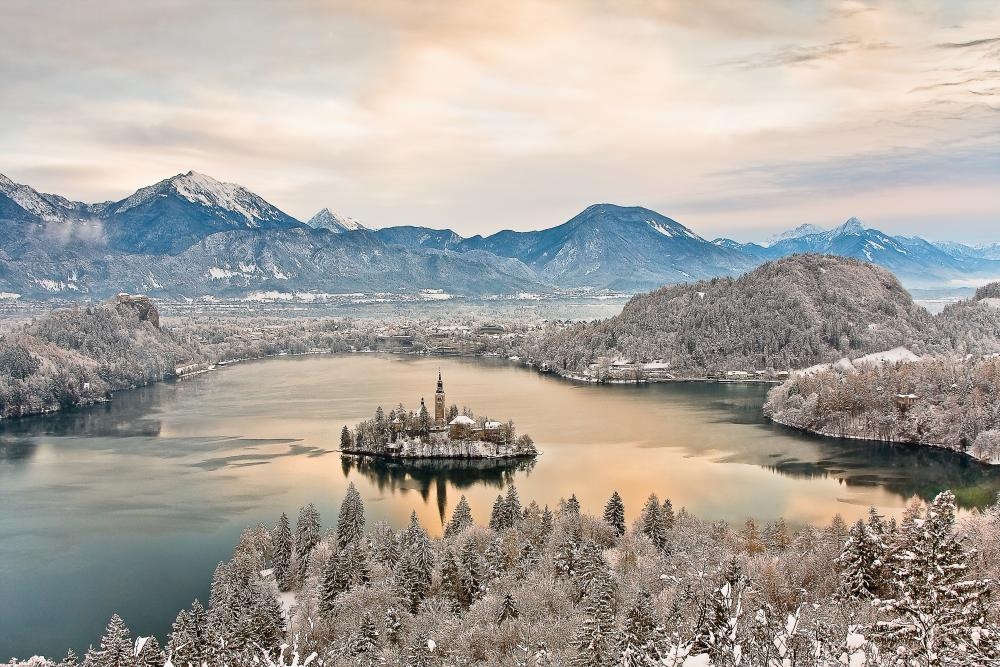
<point x="191" y="235"/>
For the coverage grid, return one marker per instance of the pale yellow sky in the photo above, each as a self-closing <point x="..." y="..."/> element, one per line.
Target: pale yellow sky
<point x="734" y="118"/>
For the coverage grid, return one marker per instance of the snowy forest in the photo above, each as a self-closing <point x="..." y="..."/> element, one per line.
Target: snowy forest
<point x="556" y="586"/>
<point x="952" y="403"/>
<point x="787" y="314"/>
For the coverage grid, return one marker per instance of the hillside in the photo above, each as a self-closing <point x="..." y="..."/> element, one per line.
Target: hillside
<point x="77" y="356"/>
<point x="786" y="314"/>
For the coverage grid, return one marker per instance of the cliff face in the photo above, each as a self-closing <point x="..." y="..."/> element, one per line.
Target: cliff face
<point x="142" y="306"/>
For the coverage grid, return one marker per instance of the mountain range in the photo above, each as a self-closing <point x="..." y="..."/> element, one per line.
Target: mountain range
<point x="191" y="236"/>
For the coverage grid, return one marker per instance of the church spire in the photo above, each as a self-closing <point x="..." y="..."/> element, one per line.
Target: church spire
<point x="440" y="387"/>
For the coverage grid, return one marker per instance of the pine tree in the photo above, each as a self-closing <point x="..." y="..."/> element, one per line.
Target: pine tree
<point x="346" y="442"/>
<point x="473" y="572"/>
<point x="149" y="653"/>
<point x="351" y="521"/>
<point x="548" y="521"/>
<point x="366" y="641"/>
<point x="414" y="570"/>
<point x="189" y="642"/>
<point x="933" y="607"/>
<point x="652" y="522"/>
<point x="393" y="625"/>
<point x="332" y="583"/>
<point x="307" y="534"/>
<point x="667" y="514"/>
<point x="640" y="636"/>
<point x="614" y="514"/>
<point x="460" y="519"/>
<point x="71" y="659"/>
<point x="497" y="516"/>
<point x="573" y="507"/>
<point x="116" y="648"/>
<point x="418" y="653"/>
<point x="511" y="508"/>
<point x="508" y="610"/>
<point x="281" y="548"/>
<point x="451" y="582"/>
<point x="862" y="562"/>
<point x="594" y="641"/>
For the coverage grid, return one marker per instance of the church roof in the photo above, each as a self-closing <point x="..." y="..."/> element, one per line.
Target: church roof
<point x="461" y="420"/>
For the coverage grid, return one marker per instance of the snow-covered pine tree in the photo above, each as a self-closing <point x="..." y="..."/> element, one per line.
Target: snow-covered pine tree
<point x="189" y="642"/>
<point x="511" y="507"/>
<point x="346" y="441"/>
<point x="307" y="534"/>
<point x="508" y="610"/>
<point x="548" y="521"/>
<point x="116" y="649"/>
<point x="641" y="636"/>
<point x="498" y="516"/>
<point x="667" y="514"/>
<point x="392" y="625"/>
<point x="451" y="581"/>
<point x="614" y="514"/>
<point x="862" y="562"/>
<point x="366" y="641"/>
<point x="148" y="653"/>
<point x="333" y="583"/>
<point x="281" y="553"/>
<point x="71" y="659"/>
<point x="594" y="640"/>
<point x="935" y="611"/>
<point x="461" y="518"/>
<point x="351" y="520"/>
<point x="572" y="507"/>
<point x="651" y="521"/>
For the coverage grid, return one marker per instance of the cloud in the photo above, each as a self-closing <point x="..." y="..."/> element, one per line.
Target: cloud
<point x="483" y="115"/>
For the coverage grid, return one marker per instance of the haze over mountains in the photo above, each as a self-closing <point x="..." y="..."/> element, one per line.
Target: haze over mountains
<point x="192" y="236"/>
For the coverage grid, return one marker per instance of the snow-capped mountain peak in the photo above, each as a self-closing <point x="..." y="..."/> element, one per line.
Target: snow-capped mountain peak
<point x="31" y="200"/>
<point x="334" y="222"/>
<point x="852" y="226"/>
<point x="206" y="191"/>
<point x="800" y="231"/>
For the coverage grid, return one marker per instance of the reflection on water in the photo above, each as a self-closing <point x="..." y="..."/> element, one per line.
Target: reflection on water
<point x="426" y="475"/>
<point x="129" y="506"/>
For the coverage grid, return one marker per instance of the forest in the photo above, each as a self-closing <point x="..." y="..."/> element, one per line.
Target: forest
<point x="787" y="314"/>
<point x="949" y="402"/>
<point x="542" y="586"/>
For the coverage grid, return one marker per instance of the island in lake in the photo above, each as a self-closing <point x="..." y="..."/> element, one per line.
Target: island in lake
<point x="449" y="434"/>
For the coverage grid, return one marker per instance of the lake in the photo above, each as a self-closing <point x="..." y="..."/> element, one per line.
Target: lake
<point x="129" y="506"/>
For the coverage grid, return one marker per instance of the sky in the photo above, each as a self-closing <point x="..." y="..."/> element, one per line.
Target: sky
<point x="734" y="118"/>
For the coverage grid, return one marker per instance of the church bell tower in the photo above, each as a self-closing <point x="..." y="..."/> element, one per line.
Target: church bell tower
<point x="439" y="402"/>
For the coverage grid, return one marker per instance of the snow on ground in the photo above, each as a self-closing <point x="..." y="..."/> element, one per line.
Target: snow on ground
<point x="895" y="355"/>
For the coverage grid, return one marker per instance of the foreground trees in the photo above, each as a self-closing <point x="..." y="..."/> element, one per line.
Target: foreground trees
<point x="567" y="588"/>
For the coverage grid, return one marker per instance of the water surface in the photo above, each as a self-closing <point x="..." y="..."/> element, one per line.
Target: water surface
<point x="128" y="507"/>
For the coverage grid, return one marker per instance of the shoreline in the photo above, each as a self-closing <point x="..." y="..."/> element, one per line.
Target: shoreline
<point x="883" y="441"/>
<point x="437" y="457"/>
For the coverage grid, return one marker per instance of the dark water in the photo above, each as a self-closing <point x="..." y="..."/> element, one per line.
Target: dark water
<point x="128" y="507"/>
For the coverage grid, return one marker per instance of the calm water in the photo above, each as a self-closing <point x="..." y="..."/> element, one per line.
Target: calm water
<point x="128" y="507"/>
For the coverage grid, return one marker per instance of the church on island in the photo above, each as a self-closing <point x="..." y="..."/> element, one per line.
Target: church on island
<point x="448" y="434"/>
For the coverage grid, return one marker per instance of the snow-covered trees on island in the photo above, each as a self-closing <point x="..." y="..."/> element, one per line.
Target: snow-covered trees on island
<point x="561" y="587"/>
<point x="951" y="403"/>
<point x="404" y="433"/>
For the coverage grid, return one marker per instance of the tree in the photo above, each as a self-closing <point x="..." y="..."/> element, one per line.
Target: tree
<point x="333" y="582"/>
<point x="573" y="506"/>
<point x="638" y="642"/>
<point x="508" y="610"/>
<point x="281" y="553"/>
<point x="594" y="640"/>
<point x="306" y="537"/>
<point x="148" y="653"/>
<point x="498" y="515"/>
<point x="351" y="521"/>
<point x="461" y="518"/>
<point x="614" y="514"/>
<point x="116" y="648"/>
<point x="934" y="608"/>
<point x="862" y="562"/>
<point x="346" y="442"/>
<point x="189" y="642"/>
<point x="652" y="522"/>
<point x="366" y="641"/>
<point x="511" y="507"/>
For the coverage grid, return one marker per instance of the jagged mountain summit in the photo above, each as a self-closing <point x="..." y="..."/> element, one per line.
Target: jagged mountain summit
<point x="797" y="232"/>
<point x="334" y="222"/>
